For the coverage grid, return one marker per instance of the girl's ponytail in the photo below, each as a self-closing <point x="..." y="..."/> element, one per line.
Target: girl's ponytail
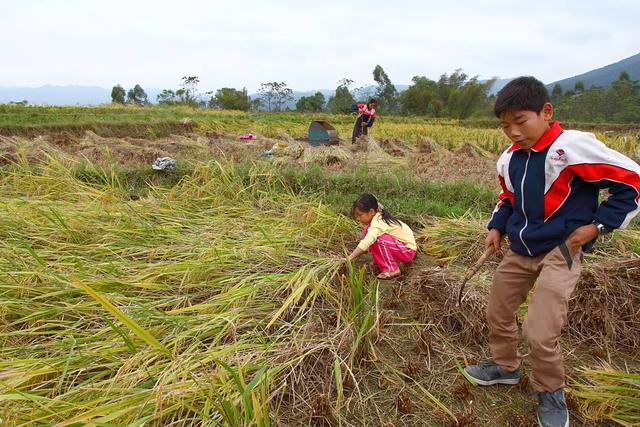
<point x="386" y="215"/>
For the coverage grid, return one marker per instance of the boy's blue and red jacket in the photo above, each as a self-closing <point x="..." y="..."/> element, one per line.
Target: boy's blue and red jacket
<point x="552" y="188"/>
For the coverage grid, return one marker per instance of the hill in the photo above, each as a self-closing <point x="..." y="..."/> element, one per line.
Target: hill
<point x="603" y="76"/>
<point x="62" y="95"/>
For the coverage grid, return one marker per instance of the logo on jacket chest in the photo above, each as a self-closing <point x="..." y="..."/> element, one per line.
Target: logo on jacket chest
<point x="559" y="155"/>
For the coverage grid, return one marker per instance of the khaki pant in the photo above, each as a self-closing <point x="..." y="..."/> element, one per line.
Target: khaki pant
<point x="547" y="312"/>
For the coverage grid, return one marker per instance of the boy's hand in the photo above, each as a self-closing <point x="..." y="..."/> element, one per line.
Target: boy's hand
<point x="494" y="238"/>
<point x="581" y="235"/>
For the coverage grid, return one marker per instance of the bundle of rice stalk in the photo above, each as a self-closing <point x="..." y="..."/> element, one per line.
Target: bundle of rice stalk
<point x="605" y="306"/>
<point x="470" y="149"/>
<point x="435" y="303"/>
<point x="325" y="156"/>
<point x="188" y="306"/>
<point x="608" y="394"/>
<point x="294" y="150"/>
<point x="455" y="239"/>
<point x="367" y="144"/>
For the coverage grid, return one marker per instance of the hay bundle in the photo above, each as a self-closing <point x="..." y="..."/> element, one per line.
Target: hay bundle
<point x="367" y="144"/>
<point x="472" y="150"/>
<point x="63" y="138"/>
<point x="427" y="145"/>
<point x="605" y="307"/>
<point x="458" y="239"/>
<point x="325" y="156"/>
<point x="304" y="154"/>
<point x="395" y="147"/>
<point x="285" y="137"/>
<point x="294" y="150"/>
<point x="435" y="303"/>
<point x="16" y="149"/>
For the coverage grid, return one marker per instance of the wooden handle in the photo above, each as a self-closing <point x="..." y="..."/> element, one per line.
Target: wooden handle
<point x="473" y="270"/>
<point x="475" y="267"/>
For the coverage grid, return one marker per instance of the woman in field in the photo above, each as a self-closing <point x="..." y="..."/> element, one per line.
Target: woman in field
<point x="366" y="117"/>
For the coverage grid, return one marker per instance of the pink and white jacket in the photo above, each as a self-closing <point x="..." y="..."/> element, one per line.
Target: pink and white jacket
<point x="363" y="109"/>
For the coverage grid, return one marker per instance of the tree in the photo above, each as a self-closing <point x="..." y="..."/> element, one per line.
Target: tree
<point x="623" y="100"/>
<point x="275" y="95"/>
<point x="167" y="97"/>
<point x="190" y="94"/>
<point x="578" y="87"/>
<point x="386" y="92"/>
<point x="231" y="99"/>
<point x="342" y="101"/>
<point x="311" y="104"/>
<point x="624" y="76"/>
<point x="257" y="104"/>
<point x="459" y="96"/>
<point x="117" y="94"/>
<point x="137" y="96"/>
<point x="418" y="98"/>
<point x="556" y="93"/>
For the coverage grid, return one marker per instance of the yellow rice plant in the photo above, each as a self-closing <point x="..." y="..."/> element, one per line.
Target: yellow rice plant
<point x="606" y="393"/>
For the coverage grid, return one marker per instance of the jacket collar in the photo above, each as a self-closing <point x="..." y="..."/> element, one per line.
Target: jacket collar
<point x="545" y="140"/>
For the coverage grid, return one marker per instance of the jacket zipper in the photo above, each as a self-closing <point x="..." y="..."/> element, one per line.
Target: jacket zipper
<point x="526" y="219"/>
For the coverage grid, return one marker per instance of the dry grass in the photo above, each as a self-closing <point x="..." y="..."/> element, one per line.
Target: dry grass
<point x="434" y="299"/>
<point x="605" y="308"/>
<point x="443" y="165"/>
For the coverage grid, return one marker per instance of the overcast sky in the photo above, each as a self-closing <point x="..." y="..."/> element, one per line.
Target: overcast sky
<point x="307" y="44"/>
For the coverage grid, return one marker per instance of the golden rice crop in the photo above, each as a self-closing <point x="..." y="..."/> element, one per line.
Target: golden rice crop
<point x="189" y="306"/>
<point x="608" y="393"/>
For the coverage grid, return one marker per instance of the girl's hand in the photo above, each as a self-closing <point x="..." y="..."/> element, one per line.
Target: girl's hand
<point x="355" y="254"/>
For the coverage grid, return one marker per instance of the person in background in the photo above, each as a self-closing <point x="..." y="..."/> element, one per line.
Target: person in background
<point x="366" y="117"/>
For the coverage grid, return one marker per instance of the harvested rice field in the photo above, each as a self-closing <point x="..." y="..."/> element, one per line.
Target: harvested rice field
<point x="216" y="293"/>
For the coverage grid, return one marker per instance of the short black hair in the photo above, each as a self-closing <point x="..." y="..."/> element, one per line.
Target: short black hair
<point x="372" y="101"/>
<point x="523" y="93"/>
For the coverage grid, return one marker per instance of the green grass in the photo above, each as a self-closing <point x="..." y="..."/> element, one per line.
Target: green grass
<point x="406" y="196"/>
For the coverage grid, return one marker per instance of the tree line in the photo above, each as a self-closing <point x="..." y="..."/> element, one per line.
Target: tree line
<point x="619" y="103"/>
<point x="455" y="95"/>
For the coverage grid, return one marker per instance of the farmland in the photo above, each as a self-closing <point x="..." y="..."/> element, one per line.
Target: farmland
<point x="215" y="293"/>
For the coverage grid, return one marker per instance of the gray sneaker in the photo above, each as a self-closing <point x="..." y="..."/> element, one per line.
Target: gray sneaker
<point x="552" y="409"/>
<point x="490" y="373"/>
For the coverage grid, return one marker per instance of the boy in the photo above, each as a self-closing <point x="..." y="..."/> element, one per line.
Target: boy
<point x="549" y="208"/>
<point x="366" y="117"/>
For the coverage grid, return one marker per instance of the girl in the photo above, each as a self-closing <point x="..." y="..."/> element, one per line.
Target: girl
<point x="388" y="239"/>
<point x="366" y="116"/>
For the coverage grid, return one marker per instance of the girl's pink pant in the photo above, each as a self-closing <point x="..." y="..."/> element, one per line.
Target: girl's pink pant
<point x="387" y="251"/>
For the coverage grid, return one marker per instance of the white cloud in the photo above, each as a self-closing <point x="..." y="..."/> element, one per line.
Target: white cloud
<point x="307" y="44"/>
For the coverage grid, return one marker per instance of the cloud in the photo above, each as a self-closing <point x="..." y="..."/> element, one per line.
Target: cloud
<point x="307" y="44"/>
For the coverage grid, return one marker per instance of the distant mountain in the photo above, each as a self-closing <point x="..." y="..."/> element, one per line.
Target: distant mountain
<point x="498" y="85"/>
<point x="603" y="76"/>
<point x="63" y="95"/>
<point x="93" y="95"/>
